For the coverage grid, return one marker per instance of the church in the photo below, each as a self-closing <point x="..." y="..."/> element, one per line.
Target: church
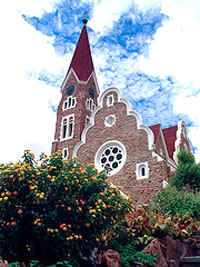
<point x="101" y="128"/>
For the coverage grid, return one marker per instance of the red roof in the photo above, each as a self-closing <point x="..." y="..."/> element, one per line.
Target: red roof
<point x="82" y="60"/>
<point x="155" y="129"/>
<point x="170" y="138"/>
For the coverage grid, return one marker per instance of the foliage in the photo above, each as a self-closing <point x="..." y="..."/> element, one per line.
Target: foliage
<point x="181" y="202"/>
<point x="148" y="223"/>
<point x="36" y="264"/>
<point x="123" y="239"/>
<point x="188" y="172"/>
<point x="55" y="210"/>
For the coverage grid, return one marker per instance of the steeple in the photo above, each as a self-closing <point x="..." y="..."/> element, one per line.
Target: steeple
<point x="82" y="60"/>
<point x="79" y="98"/>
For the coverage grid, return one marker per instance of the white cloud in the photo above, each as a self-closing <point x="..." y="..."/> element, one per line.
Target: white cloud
<point x="32" y="7"/>
<point x="175" y="52"/>
<point x="26" y="118"/>
<point x="175" y="48"/>
<point x="105" y="13"/>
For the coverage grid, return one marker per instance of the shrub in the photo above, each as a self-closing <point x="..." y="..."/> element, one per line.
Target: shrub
<point x="188" y="172"/>
<point x="174" y="201"/>
<point x="55" y="210"/>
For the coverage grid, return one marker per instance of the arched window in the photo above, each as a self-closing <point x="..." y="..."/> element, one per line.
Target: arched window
<point x="90" y="104"/>
<point x="69" y="103"/>
<point x="67" y="128"/>
<point x="65" y="153"/>
<point x="142" y="170"/>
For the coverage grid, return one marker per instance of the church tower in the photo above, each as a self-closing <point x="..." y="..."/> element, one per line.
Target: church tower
<point x="79" y="98"/>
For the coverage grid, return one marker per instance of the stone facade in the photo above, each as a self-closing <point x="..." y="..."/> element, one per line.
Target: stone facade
<point x="109" y="133"/>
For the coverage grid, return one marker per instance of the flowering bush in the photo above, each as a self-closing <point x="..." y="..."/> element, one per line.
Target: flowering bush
<point x="52" y="210"/>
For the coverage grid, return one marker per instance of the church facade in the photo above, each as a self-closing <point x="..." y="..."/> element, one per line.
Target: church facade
<point x="102" y="128"/>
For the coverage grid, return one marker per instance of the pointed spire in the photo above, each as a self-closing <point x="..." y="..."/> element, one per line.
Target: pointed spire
<point x="82" y="60"/>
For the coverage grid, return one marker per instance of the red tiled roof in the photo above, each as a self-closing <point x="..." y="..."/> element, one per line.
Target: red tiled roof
<point x="155" y="129"/>
<point x="82" y="60"/>
<point x="170" y="138"/>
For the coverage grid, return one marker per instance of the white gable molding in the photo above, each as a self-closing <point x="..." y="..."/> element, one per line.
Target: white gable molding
<point x="178" y="140"/>
<point x="181" y="130"/>
<point x="140" y="125"/>
<point x="79" y="81"/>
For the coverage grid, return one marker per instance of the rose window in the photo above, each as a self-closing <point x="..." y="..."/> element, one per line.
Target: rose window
<point x="111" y="155"/>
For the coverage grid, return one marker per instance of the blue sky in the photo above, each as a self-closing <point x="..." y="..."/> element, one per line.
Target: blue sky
<point x="149" y="49"/>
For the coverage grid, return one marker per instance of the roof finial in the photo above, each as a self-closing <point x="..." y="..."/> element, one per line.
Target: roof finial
<point x="85" y="21"/>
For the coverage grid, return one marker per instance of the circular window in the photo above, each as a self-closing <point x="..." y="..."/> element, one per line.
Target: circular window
<point x="111" y="154"/>
<point x="110" y="120"/>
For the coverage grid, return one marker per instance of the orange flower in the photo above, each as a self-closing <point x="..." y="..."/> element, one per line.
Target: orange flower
<point x="5" y="198"/>
<point x="19" y="211"/>
<point x="69" y="208"/>
<point x="87" y="225"/>
<point x="64" y="228"/>
<point x="15" y="193"/>
<point x="82" y="202"/>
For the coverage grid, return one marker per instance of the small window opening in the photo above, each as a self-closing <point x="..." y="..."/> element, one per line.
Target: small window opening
<point x="143" y="171"/>
<point x="110" y="100"/>
<point x="65" y="153"/>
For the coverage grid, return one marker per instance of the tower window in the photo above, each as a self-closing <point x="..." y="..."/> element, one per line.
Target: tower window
<point x="90" y="104"/>
<point x="142" y="170"/>
<point x="65" y="153"/>
<point x="67" y="127"/>
<point x="69" y="103"/>
<point x="110" y="100"/>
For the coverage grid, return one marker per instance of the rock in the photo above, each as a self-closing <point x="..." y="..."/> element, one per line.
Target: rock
<point x="111" y="258"/>
<point x="155" y="247"/>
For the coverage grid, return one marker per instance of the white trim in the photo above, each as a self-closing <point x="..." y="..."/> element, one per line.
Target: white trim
<point x="159" y="158"/>
<point x="140" y="125"/>
<point x="108" y="102"/>
<point x="67" y="127"/>
<point x="105" y="146"/>
<point x="139" y="167"/>
<point x="63" y="85"/>
<point x="164" y="184"/>
<point x="106" y="121"/>
<point x="181" y="130"/>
